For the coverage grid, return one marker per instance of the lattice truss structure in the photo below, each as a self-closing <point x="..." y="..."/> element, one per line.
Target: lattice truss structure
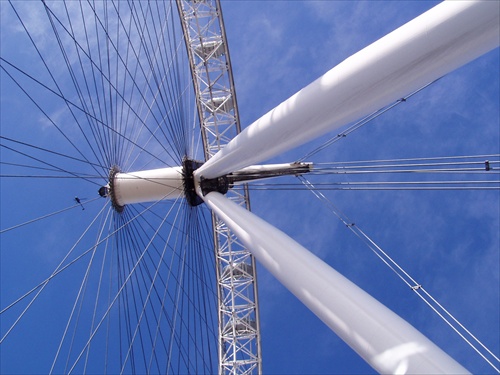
<point x="239" y="333"/>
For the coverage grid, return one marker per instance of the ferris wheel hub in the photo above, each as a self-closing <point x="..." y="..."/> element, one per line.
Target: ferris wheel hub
<point x="143" y="186"/>
<point x="188" y="167"/>
<point x="194" y="186"/>
<point x="183" y="181"/>
<point x="112" y="191"/>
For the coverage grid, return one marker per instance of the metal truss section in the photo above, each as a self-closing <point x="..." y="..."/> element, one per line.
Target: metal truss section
<point x="239" y="327"/>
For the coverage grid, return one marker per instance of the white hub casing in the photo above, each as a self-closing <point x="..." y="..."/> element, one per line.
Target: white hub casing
<point x="148" y="186"/>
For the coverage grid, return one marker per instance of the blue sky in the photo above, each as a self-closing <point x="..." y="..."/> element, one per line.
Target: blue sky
<point x="448" y="241"/>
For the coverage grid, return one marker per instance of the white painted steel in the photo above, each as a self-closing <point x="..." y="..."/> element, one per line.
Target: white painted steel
<point x="148" y="186"/>
<point x="439" y="41"/>
<point x="387" y="342"/>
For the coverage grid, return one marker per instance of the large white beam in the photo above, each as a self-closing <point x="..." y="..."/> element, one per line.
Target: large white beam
<point x="387" y="342"/>
<point x="439" y="41"/>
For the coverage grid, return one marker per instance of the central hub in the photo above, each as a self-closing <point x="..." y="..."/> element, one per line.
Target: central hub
<point x="173" y="183"/>
<point x="188" y="167"/>
<point x="151" y="185"/>
<point x="207" y="185"/>
<point x="159" y="184"/>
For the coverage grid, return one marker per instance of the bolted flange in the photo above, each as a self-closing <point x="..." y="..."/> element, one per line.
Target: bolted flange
<point x="188" y="167"/>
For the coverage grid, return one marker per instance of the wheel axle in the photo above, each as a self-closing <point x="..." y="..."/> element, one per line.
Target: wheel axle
<point x="175" y="182"/>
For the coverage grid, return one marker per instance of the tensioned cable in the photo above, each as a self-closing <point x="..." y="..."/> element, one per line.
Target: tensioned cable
<point x="142" y="276"/>
<point x="193" y="289"/>
<point x="48" y="215"/>
<point x="384" y="185"/>
<point x="44" y="283"/>
<point x="143" y="271"/>
<point x="78" y="297"/>
<point x="195" y="241"/>
<point x="93" y="127"/>
<point x="434" y="170"/>
<point x="122" y="136"/>
<point x="204" y="325"/>
<point x="120" y="122"/>
<point x="114" y="99"/>
<point x="124" y="122"/>
<point x="134" y="240"/>
<point x="101" y="67"/>
<point x="194" y="133"/>
<point x="58" y="270"/>
<point x="183" y="231"/>
<point x="201" y="290"/>
<point x="184" y="268"/>
<point x="180" y="71"/>
<point x="107" y="59"/>
<point x="49" y="164"/>
<point x="125" y="259"/>
<point x="150" y="289"/>
<point x="111" y="279"/>
<point x="146" y="143"/>
<point x="46" y="115"/>
<point x="170" y="68"/>
<point x="176" y="314"/>
<point x="182" y="93"/>
<point x="50" y="151"/>
<point x="33" y="167"/>
<point x="404" y="276"/>
<point x="139" y="233"/>
<point x="174" y="136"/>
<point x="105" y="77"/>
<point x="135" y="84"/>
<point x="99" y="289"/>
<point x="415" y="159"/>
<point x="55" y="82"/>
<point x="440" y="161"/>
<point x="487" y="166"/>
<point x="449" y="166"/>
<point x="44" y="169"/>
<point x="170" y="319"/>
<point x="161" y="300"/>
<point x="98" y="135"/>
<point x="117" y="295"/>
<point x="92" y="65"/>
<point x="362" y="122"/>
<point x="399" y="185"/>
<point x="151" y="58"/>
<point x="176" y="335"/>
<point x="72" y="74"/>
<point x="184" y="313"/>
<point x="375" y="169"/>
<point x="120" y="276"/>
<point x="84" y="177"/>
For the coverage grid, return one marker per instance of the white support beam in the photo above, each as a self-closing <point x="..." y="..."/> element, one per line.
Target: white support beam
<point x="439" y="41"/>
<point x="386" y="341"/>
